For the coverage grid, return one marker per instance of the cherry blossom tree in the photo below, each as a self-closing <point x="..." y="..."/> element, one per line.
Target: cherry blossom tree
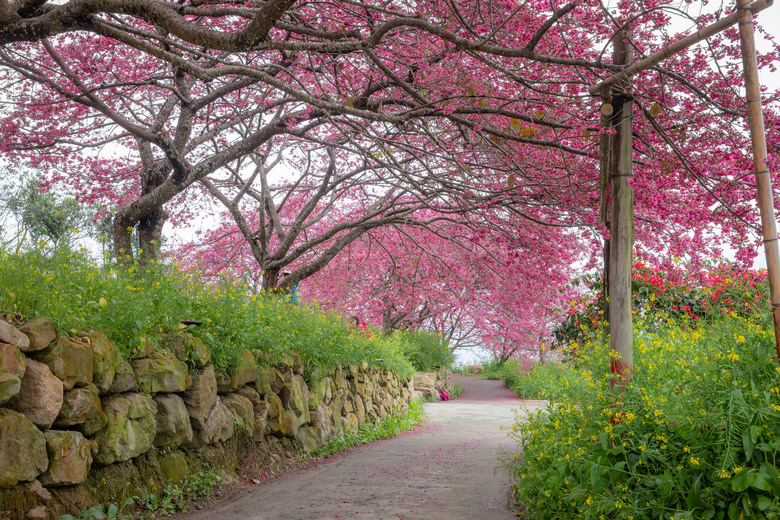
<point x="450" y="108"/>
<point x="494" y="286"/>
<point x="497" y="82"/>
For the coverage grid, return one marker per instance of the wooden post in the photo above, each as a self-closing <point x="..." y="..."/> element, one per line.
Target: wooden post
<point x="758" y="138"/>
<point x="621" y="230"/>
<point x="604" y="141"/>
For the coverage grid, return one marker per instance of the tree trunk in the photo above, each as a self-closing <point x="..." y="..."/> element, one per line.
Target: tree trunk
<point x="270" y="280"/>
<point x="150" y="236"/>
<point x="122" y="231"/>
<point x="149" y="226"/>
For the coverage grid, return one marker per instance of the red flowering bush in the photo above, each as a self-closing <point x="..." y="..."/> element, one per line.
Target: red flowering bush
<point x="680" y="296"/>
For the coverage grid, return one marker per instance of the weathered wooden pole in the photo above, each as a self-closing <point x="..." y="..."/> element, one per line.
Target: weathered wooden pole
<point x="604" y="141"/>
<point x="755" y="115"/>
<point x="621" y="228"/>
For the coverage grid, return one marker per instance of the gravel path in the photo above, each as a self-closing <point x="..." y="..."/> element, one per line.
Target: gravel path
<point x="446" y="469"/>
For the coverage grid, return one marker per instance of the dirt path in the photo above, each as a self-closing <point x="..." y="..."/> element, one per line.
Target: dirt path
<point x="447" y="469"/>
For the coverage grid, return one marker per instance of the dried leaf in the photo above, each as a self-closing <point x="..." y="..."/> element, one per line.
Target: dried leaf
<point x="528" y="131"/>
<point x="511" y="180"/>
<point x="655" y="110"/>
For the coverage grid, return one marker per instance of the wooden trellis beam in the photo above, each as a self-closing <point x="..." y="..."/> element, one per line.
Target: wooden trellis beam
<point x="679" y="45"/>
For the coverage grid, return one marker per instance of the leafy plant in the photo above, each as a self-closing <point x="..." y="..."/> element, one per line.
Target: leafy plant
<point x="695" y="435"/>
<point x="137" y="306"/>
<point x="659" y="296"/>
<point x="457" y="391"/>
<point x="426" y="351"/>
<point x="113" y="512"/>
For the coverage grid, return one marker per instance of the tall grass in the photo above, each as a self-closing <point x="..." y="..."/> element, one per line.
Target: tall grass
<point x="426" y="351"/>
<point x="134" y="305"/>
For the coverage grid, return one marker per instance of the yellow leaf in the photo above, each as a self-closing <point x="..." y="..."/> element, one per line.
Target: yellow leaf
<point x="528" y="131"/>
<point x="655" y="110"/>
<point x="102" y="302"/>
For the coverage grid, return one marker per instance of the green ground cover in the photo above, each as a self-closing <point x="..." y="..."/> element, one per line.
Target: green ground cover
<point x="696" y="435"/>
<point x="141" y="305"/>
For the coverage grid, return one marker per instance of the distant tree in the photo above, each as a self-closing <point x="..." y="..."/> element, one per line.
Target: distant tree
<point x="34" y="214"/>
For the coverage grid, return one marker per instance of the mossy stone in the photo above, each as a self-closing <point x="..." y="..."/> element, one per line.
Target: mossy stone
<point x="161" y="372"/>
<point x="22" y="449"/>
<point x="131" y="428"/>
<point x="12" y="367"/>
<point x="70" y="359"/>
<point x="243" y="371"/>
<point x="105" y="359"/>
<point x="40" y="332"/>
<point x="174" y="466"/>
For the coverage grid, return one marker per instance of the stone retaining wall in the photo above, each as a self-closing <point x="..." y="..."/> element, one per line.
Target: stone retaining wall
<point x="428" y="384"/>
<point x="78" y="422"/>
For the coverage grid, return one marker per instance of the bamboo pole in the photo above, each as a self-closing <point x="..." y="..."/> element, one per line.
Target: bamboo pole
<point x="758" y="138"/>
<point x="674" y="48"/>
<point x="621" y="230"/>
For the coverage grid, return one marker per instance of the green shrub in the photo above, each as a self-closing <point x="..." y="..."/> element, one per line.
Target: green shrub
<point x="492" y="370"/>
<point x="425" y="350"/>
<point x="388" y="427"/>
<point x="695" y="435"/>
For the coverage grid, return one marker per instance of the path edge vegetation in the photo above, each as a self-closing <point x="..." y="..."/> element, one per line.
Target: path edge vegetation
<point x="150" y="304"/>
<point x="696" y="434"/>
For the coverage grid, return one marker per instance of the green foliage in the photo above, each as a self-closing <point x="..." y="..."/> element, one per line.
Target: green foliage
<point x="457" y="391"/>
<point x="153" y="504"/>
<point x="426" y="351"/>
<point x="554" y="381"/>
<point x="391" y="426"/>
<point x="175" y="497"/>
<point x="113" y="512"/>
<point x="43" y="215"/>
<point x="493" y="370"/>
<point x="695" y="435"/>
<point x="140" y="305"/>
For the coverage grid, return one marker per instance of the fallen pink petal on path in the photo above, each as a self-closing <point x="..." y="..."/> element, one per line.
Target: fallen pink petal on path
<point x="447" y="468"/>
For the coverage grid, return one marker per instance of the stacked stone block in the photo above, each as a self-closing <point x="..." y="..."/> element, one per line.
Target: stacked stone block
<point x="71" y="405"/>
